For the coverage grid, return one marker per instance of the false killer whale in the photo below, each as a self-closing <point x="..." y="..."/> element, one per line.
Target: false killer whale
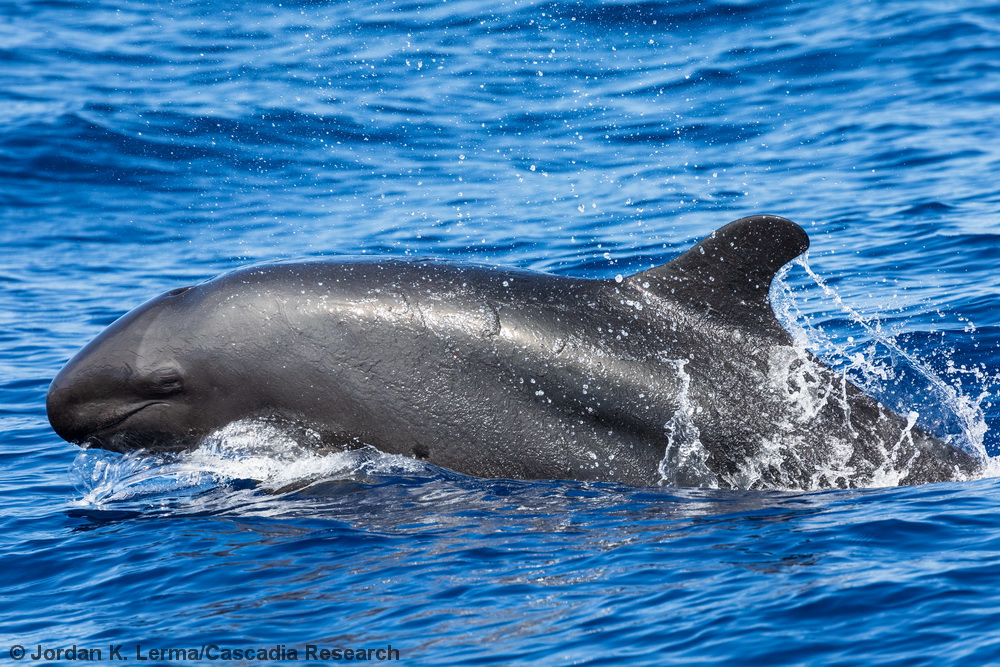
<point x="678" y="375"/>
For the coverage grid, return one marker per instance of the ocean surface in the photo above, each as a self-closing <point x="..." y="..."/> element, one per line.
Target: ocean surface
<point x="147" y="145"/>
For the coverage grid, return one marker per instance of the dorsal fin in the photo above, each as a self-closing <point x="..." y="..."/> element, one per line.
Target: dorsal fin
<point x="728" y="275"/>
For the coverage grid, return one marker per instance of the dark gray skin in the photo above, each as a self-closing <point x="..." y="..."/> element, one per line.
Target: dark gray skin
<point x="678" y="375"/>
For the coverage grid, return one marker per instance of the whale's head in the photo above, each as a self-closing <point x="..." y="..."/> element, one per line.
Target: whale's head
<point x="155" y="379"/>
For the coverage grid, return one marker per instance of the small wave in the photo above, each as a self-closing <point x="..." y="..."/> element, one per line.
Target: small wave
<point x="246" y="456"/>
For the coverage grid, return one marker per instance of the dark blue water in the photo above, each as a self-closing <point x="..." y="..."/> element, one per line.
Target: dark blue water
<point x="146" y="145"/>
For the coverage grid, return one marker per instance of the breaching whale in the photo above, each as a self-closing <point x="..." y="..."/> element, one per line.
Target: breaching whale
<point x="678" y="375"/>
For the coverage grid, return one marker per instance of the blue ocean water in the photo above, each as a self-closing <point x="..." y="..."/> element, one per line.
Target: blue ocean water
<point x="148" y="144"/>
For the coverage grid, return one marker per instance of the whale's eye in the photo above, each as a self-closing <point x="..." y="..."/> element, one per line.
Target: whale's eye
<point x="179" y="290"/>
<point x="165" y="381"/>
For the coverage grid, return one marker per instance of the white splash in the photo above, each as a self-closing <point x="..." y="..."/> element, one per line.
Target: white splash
<point x="263" y="453"/>
<point x="683" y="463"/>
<point x="877" y="368"/>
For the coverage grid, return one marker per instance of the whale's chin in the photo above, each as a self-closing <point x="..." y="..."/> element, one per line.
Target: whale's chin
<point x="150" y="440"/>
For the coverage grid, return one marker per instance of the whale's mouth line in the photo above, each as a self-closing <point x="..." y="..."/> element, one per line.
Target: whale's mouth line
<point x="118" y="421"/>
